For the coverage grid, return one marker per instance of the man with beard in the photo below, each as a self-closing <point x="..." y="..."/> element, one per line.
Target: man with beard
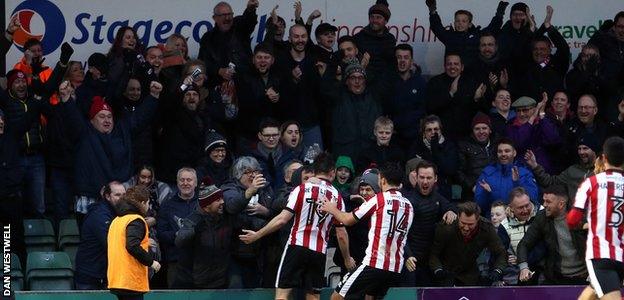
<point x="454" y="97"/>
<point x="376" y="40"/>
<point x="300" y="85"/>
<point x="456" y="247"/>
<point x="587" y="150"/>
<point x="489" y="67"/>
<point x="475" y="153"/>
<point x="429" y="208"/>
<point x="498" y="179"/>
<point x="206" y="240"/>
<point x="228" y="42"/>
<point x="154" y="56"/>
<point x="565" y="246"/>
<point x="183" y="136"/>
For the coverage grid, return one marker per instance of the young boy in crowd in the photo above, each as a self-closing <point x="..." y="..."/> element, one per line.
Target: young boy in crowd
<point x="498" y="213"/>
<point x="344" y="175"/>
<point x="383" y="150"/>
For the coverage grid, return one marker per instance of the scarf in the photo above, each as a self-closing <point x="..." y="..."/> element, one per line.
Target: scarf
<point x="428" y="143"/>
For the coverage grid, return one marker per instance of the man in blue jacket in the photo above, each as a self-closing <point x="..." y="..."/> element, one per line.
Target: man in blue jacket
<point x="103" y="145"/>
<point x="91" y="257"/>
<point x="169" y="220"/>
<point x="498" y="179"/>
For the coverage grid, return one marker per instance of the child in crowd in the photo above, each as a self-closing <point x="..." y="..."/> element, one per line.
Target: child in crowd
<point x="498" y="213"/>
<point x="344" y="175"/>
<point x="383" y="150"/>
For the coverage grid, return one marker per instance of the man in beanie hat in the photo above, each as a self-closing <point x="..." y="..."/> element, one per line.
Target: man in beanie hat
<point x="184" y="131"/>
<point x="376" y="40"/>
<point x="463" y="38"/>
<point x="356" y="108"/>
<point x="102" y="145"/>
<point x="17" y="101"/>
<point x="11" y="177"/>
<point x="475" y="152"/>
<point x="206" y="240"/>
<point x="588" y="149"/>
<point x="216" y="162"/>
<point x="531" y="130"/>
<point x="430" y="208"/>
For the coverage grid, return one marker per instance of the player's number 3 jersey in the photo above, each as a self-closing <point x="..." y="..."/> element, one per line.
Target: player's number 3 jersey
<point x="391" y="217"/>
<point x="603" y="196"/>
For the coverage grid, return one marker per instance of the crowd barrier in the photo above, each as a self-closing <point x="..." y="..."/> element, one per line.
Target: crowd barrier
<point x="480" y="293"/>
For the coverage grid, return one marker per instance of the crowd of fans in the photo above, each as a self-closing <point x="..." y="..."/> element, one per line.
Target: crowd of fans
<point x="222" y="139"/>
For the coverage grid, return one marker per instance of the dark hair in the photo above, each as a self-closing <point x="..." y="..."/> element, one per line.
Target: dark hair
<point x="136" y="196"/>
<point x="324" y="163"/>
<point x="557" y="190"/>
<point x="268" y="122"/>
<point x="430" y="119"/>
<point x="145" y="167"/>
<point x="116" y="49"/>
<point x="451" y="53"/>
<point x="618" y="16"/>
<point x="505" y="141"/>
<point x="264" y="48"/>
<point x="392" y="172"/>
<point x="469" y="209"/>
<point x="498" y="203"/>
<point x="540" y="38"/>
<point x="107" y="189"/>
<point x="425" y="164"/>
<point x="346" y="38"/>
<point x="31" y="42"/>
<point x="516" y="192"/>
<point x="285" y="125"/>
<point x="464" y="12"/>
<point x="613" y="150"/>
<point x="406" y="47"/>
<point x="490" y="34"/>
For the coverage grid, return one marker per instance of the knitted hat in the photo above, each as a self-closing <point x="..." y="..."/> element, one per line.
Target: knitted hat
<point x="354" y="67"/>
<point x="98" y="61"/>
<point x="519" y="6"/>
<point x="214" y="140"/>
<point x="370" y="178"/>
<point x="380" y="9"/>
<point x="481" y="118"/>
<point x="14" y="75"/>
<point x="208" y="195"/>
<point x="97" y="106"/>
<point x="590" y="141"/>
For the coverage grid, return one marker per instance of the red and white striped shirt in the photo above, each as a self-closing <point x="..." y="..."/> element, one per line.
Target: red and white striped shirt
<point x="603" y="195"/>
<point x="391" y="216"/>
<point x="311" y="226"/>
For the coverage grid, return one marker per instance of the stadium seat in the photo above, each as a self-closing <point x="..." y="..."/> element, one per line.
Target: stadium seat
<point x="49" y="271"/>
<point x="69" y="238"/>
<point x="17" y="277"/>
<point x="39" y="235"/>
<point x="332" y="271"/>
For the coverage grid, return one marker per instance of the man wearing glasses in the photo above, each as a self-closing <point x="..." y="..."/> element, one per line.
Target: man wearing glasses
<point x="228" y="42"/>
<point x="271" y="154"/>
